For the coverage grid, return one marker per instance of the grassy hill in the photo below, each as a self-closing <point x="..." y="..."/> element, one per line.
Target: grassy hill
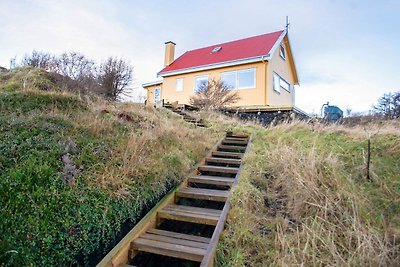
<point x="77" y="172"/>
<point x="74" y="172"/>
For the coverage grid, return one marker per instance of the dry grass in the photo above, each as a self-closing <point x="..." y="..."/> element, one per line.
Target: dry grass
<point x="323" y="207"/>
<point x="302" y="200"/>
<point x="154" y="149"/>
<point x="382" y="127"/>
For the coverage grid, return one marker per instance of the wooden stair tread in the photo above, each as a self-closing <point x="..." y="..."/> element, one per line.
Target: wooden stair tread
<point x="194" y="210"/>
<point x="209" y="168"/>
<point x="237" y="136"/>
<point x="227" y="154"/>
<point x="214" y="180"/>
<point x="204" y="194"/>
<point x="235" y="142"/>
<point x="174" y="240"/>
<point x="235" y="139"/>
<point x="235" y="148"/>
<point x="169" y="249"/>
<point x="196" y="238"/>
<point x="222" y="160"/>
<point x="194" y="215"/>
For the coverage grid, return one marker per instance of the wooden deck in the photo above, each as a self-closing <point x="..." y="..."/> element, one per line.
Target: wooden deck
<point x="211" y="181"/>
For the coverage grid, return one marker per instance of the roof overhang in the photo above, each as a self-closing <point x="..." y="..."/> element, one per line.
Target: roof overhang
<point x="216" y="65"/>
<point x="151" y="83"/>
<point x="266" y="57"/>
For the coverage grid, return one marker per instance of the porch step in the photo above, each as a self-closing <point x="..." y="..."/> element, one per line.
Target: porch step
<point x="190" y="214"/>
<point x="203" y="194"/>
<point x="212" y="180"/>
<point x="172" y="244"/>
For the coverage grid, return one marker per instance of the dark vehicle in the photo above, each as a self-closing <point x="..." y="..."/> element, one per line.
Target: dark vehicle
<point x="332" y="113"/>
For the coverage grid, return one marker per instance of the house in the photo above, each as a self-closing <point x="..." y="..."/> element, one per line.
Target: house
<point x="260" y="69"/>
<point x="2" y="69"/>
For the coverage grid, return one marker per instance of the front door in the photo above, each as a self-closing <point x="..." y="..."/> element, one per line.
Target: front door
<point x="157" y="95"/>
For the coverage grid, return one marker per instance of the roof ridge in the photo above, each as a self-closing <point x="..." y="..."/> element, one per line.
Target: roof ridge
<point x="237" y="40"/>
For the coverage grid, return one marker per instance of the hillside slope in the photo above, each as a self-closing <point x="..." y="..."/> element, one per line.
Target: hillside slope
<point x="76" y="173"/>
<point x="304" y="198"/>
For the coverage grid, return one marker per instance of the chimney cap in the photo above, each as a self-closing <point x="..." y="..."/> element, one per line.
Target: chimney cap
<point x="170" y="42"/>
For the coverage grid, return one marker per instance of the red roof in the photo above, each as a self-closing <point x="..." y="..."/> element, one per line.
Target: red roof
<point x="236" y="50"/>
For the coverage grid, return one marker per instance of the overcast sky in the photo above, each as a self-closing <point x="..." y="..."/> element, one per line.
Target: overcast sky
<point x="346" y="52"/>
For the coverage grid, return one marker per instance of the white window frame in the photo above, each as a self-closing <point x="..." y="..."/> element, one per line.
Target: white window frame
<point x="236" y="73"/>
<point x="282" y="51"/>
<point x="179" y="81"/>
<point x="200" y="77"/>
<point x="281" y="80"/>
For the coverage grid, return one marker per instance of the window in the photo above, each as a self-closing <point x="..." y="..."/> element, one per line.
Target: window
<point x="284" y="84"/>
<point x="157" y="94"/>
<point x="216" y="49"/>
<point x="246" y="78"/>
<point x="282" y="51"/>
<point x="279" y="83"/>
<point x="179" y="85"/>
<point x="198" y="81"/>
<point x="229" y="78"/>
<point x="240" y="79"/>
<point x="277" y="87"/>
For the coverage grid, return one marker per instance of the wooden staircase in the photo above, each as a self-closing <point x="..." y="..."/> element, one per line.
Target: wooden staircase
<point x="210" y="183"/>
<point x="185" y="115"/>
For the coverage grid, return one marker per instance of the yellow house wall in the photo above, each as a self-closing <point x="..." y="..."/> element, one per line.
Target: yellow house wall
<point x="248" y="97"/>
<point x="282" y="68"/>
<point x="150" y="94"/>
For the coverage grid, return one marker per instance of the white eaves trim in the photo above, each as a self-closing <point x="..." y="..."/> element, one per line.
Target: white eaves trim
<point x="228" y="63"/>
<point x="151" y="83"/>
<point x="216" y="66"/>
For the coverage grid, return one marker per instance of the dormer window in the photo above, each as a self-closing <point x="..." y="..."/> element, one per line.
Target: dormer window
<point x="216" y="49"/>
<point x="282" y="51"/>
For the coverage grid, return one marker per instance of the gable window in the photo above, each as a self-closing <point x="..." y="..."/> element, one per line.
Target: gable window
<point x="200" y="81"/>
<point x="240" y="79"/>
<point x="282" y="51"/>
<point x="179" y="85"/>
<point x="279" y="83"/>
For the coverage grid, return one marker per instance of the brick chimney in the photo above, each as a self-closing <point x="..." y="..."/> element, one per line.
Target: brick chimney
<point x="169" y="53"/>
